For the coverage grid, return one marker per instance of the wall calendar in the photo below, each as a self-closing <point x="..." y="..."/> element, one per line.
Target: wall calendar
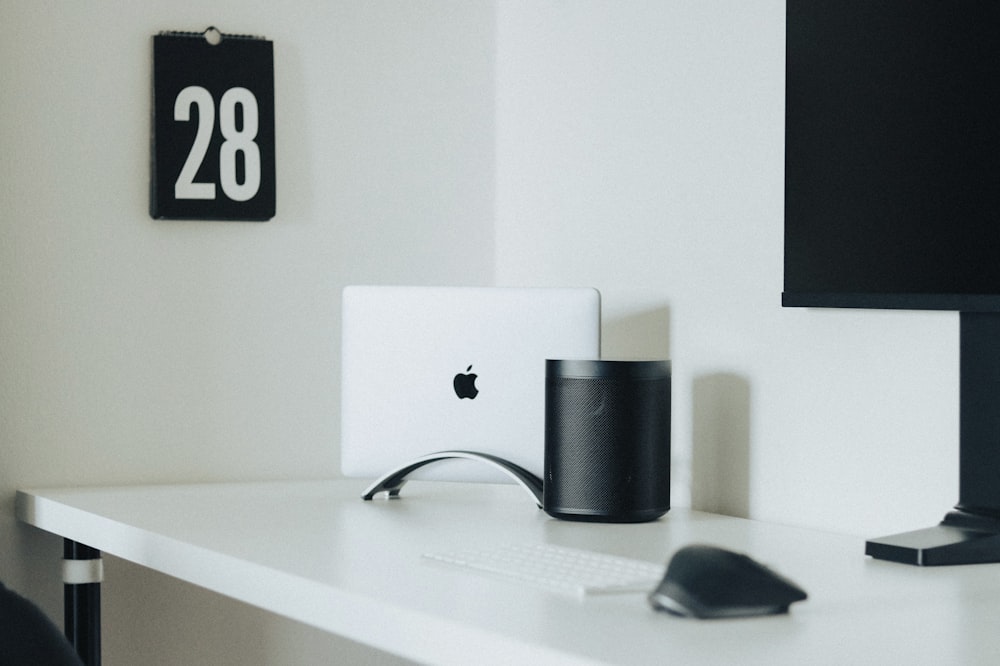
<point x="213" y="127"/>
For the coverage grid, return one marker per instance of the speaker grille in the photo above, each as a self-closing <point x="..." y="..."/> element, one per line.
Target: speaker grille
<point x="607" y="448"/>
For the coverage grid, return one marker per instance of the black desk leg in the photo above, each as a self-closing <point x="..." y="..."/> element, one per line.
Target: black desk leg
<point x="82" y="574"/>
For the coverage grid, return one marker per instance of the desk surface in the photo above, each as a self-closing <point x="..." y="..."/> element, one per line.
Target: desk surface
<point x="315" y="552"/>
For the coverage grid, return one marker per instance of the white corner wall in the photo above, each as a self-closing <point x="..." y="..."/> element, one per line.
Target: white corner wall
<point x="142" y="351"/>
<point x="634" y="147"/>
<point x="640" y="150"/>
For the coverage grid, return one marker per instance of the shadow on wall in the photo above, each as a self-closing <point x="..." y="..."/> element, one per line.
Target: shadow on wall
<point x="643" y="335"/>
<point x="720" y="464"/>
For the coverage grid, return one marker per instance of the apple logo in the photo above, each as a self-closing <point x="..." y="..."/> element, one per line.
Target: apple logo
<point x="465" y="384"/>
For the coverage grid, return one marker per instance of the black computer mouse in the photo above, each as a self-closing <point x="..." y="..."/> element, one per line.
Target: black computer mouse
<point x="705" y="581"/>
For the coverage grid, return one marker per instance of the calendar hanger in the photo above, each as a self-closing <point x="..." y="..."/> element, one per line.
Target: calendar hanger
<point x="211" y="34"/>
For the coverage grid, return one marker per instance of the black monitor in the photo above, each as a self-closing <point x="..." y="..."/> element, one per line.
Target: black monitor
<point x="892" y="200"/>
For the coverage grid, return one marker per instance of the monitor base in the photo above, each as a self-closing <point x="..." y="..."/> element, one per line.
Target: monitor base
<point x="961" y="538"/>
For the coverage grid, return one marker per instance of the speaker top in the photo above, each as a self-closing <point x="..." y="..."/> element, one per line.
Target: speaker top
<point x="594" y="369"/>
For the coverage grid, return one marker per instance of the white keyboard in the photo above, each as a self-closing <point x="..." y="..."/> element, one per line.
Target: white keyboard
<point x="570" y="570"/>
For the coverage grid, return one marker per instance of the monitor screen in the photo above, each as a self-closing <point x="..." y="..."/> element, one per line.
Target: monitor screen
<point x="892" y="154"/>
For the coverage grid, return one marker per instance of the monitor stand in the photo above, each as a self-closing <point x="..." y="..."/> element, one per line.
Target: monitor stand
<point x="971" y="533"/>
<point x="961" y="538"/>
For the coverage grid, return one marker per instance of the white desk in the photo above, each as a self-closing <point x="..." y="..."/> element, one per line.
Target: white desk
<point x="317" y="553"/>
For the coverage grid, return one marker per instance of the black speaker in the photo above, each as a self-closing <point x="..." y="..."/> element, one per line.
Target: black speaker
<point x="607" y="440"/>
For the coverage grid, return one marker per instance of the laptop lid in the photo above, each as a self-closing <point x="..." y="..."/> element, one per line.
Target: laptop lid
<point x="428" y="369"/>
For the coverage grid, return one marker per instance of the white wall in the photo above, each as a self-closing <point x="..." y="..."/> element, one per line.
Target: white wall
<point x="134" y="350"/>
<point x="635" y="147"/>
<point x="640" y="149"/>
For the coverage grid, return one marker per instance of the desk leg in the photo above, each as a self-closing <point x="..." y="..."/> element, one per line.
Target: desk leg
<point x="82" y="574"/>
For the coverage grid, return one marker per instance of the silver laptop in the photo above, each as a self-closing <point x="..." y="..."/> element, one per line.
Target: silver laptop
<point x="429" y="369"/>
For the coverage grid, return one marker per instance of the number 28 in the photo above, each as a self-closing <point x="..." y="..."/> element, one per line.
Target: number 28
<point x="237" y="140"/>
